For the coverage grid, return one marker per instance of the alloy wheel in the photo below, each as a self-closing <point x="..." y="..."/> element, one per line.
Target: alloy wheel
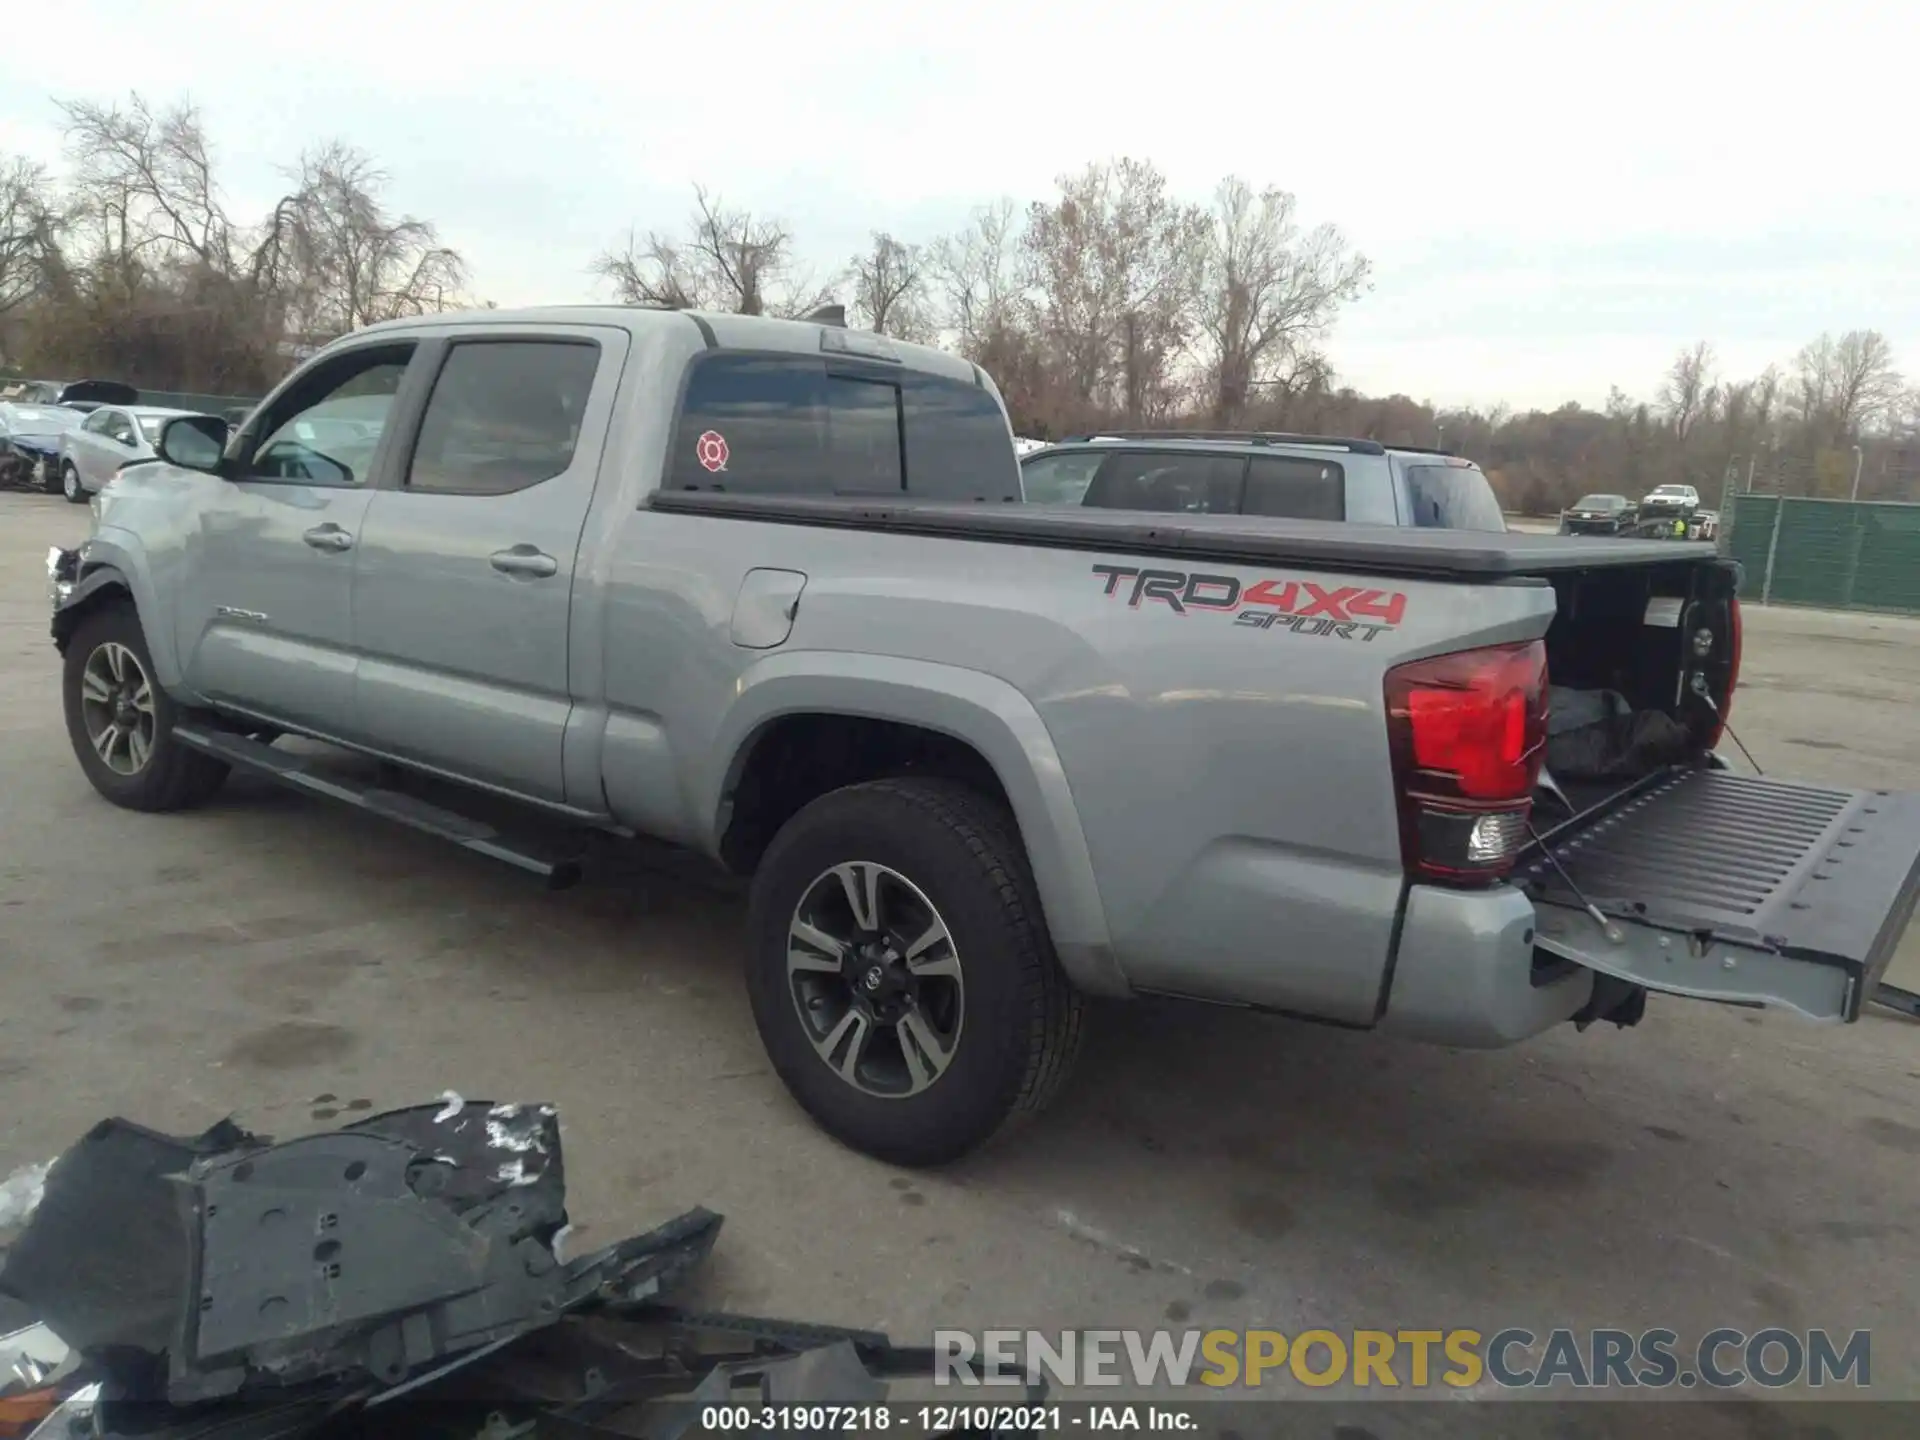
<point x="117" y="707"/>
<point x="876" y="979"/>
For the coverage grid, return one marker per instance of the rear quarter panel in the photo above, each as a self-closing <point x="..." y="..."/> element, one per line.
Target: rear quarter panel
<point x="1229" y="828"/>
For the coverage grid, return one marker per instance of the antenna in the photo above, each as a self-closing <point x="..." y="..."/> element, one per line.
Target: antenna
<point x="829" y="315"/>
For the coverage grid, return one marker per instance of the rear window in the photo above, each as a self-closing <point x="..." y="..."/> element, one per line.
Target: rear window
<point x="1453" y="497"/>
<point x="1599" y="502"/>
<point x="793" y="425"/>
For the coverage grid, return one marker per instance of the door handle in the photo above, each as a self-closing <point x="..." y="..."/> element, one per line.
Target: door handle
<point x="523" y="560"/>
<point x="328" y="537"/>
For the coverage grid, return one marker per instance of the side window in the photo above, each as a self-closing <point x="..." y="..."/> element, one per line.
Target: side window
<point x="118" y="428"/>
<point x="1198" y="484"/>
<point x="326" y="428"/>
<point x="1295" y="487"/>
<point x="1059" y="479"/>
<point x="959" y="445"/>
<point x="95" y="423"/>
<point x="753" y="425"/>
<point x="504" y="415"/>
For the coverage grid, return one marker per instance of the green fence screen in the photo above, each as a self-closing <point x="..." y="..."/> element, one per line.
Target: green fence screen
<point x="1838" y="554"/>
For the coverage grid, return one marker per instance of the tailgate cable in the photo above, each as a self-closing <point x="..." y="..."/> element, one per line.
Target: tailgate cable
<point x="1700" y="691"/>
<point x="1607" y="927"/>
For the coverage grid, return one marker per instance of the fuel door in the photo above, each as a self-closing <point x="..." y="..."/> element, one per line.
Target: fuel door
<point x="763" y="611"/>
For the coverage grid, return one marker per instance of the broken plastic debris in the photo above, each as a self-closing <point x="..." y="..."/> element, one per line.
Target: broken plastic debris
<point x="454" y="1106"/>
<point x="514" y="1172"/>
<point x="169" y="1304"/>
<point x="20" y="1192"/>
<point x="503" y="1137"/>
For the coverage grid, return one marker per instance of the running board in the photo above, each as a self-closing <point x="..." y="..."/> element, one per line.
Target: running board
<point x="295" y="773"/>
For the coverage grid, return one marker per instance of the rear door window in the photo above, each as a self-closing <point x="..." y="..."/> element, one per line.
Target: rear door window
<point x="792" y="425"/>
<point x="1196" y="484"/>
<point x="1453" y="497"/>
<point x="1296" y="488"/>
<point x="1060" y="479"/>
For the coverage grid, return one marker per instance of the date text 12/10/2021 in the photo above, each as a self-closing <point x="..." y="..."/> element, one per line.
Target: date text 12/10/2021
<point x="941" y="1419"/>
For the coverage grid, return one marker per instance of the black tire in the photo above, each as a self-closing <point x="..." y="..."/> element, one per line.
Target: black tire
<point x="50" y="479"/>
<point x="1022" y="1017"/>
<point x="172" y="777"/>
<point x="70" y="485"/>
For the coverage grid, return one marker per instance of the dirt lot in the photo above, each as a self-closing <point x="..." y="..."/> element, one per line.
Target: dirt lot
<point x="281" y="960"/>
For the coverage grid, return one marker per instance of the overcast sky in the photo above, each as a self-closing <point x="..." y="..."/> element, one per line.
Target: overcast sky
<point x="1555" y="197"/>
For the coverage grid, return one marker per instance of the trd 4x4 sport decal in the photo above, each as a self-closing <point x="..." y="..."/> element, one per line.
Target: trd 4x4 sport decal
<point x="1346" y="612"/>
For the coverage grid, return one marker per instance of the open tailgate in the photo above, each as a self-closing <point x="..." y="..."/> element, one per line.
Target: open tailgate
<point x="1735" y="888"/>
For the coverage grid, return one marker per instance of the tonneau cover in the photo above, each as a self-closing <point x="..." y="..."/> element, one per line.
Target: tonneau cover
<point x="1464" y="555"/>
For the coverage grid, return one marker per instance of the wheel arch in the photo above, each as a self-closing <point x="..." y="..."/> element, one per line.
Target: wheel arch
<point x="109" y="571"/>
<point x="977" y="727"/>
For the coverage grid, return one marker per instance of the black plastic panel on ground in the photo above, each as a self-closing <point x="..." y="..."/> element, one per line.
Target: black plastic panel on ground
<point x="1368" y="549"/>
<point x="1807" y="871"/>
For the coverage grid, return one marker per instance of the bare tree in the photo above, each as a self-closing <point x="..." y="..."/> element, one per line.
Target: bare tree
<point x="350" y="263"/>
<point x="730" y="261"/>
<point x="31" y="230"/>
<point x="1115" y="266"/>
<point x="1845" y="385"/>
<point x="145" y="183"/>
<point x="650" y="271"/>
<point x="1689" y="393"/>
<point x="1866" y="384"/>
<point x="1269" y="294"/>
<point x="975" y="273"/>
<point x="889" y="284"/>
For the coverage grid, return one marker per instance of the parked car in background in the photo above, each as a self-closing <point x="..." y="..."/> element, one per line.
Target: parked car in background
<point x="1298" y="477"/>
<point x="106" y="442"/>
<point x="34" y="414"/>
<point x="1599" y="515"/>
<point x="1668" y="501"/>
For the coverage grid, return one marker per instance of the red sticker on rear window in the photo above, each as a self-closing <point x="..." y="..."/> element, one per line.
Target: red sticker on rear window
<point x="711" y="450"/>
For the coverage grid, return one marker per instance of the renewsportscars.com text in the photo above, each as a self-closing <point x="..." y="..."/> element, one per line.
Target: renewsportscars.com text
<point x="1406" y="1359"/>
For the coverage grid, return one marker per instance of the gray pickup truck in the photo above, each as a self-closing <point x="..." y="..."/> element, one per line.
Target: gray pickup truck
<point x="764" y="589"/>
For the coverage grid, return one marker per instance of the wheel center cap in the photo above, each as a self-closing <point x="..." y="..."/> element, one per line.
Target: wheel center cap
<point x="874" y="976"/>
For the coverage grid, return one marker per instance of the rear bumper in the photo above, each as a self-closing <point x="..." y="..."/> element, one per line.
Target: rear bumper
<point x="1464" y="972"/>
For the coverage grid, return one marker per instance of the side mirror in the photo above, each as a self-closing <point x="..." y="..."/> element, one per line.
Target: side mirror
<point x="193" y="442"/>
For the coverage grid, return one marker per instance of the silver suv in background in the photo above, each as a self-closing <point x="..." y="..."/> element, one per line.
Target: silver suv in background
<point x="1295" y="477"/>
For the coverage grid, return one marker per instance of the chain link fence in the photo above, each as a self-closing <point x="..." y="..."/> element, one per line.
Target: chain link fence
<point x="1836" y="554"/>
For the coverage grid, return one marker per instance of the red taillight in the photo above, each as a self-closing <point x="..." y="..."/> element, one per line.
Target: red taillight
<point x="1467" y="733"/>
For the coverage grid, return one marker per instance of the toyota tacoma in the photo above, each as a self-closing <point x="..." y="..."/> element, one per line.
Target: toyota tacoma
<point x="766" y="589"/>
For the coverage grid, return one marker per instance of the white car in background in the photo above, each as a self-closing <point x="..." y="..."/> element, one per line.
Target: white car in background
<point x="105" y="443"/>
